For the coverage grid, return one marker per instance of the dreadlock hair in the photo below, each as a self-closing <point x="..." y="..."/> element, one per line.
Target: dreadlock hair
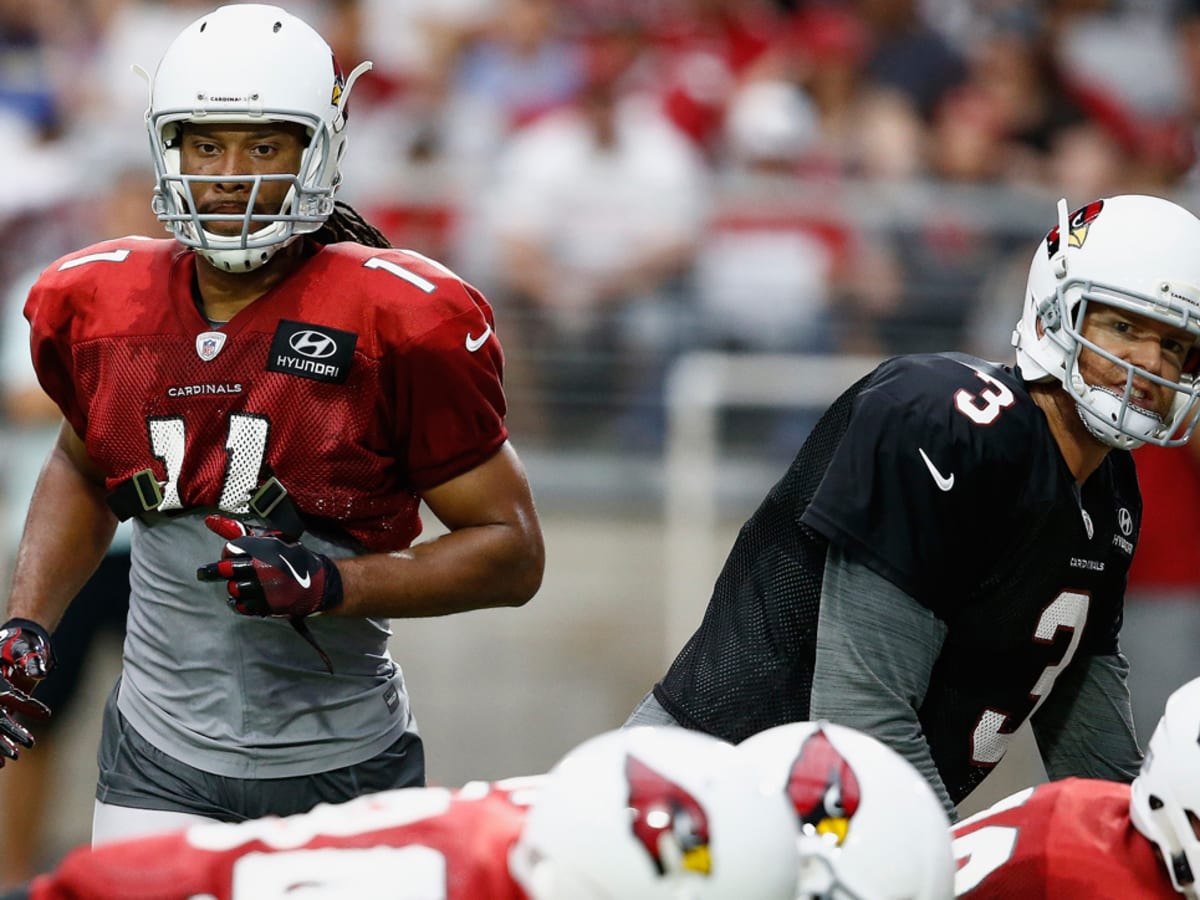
<point x="345" y="224"/>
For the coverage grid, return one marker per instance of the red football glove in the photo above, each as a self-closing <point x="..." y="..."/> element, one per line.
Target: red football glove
<point x="270" y="576"/>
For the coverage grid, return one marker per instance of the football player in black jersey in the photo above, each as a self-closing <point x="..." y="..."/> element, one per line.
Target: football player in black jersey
<point x="946" y="556"/>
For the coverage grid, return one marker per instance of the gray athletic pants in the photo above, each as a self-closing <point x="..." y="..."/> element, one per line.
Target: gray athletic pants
<point x="135" y="773"/>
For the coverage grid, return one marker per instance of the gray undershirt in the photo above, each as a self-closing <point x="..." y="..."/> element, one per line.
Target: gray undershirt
<point x="876" y="649"/>
<point x="247" y="697"/>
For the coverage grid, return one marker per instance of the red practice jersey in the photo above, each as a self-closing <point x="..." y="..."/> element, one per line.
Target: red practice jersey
<point x="363" y="378"/>
<point x="1066" y="840"/>
<point x="431" y="842"/>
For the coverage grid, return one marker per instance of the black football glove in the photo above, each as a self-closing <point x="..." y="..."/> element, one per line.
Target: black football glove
<point x="25" y="654"/>
<point x="25" y="659"/>
<point x="14" y="735"/>
<point x="268" y="575"/>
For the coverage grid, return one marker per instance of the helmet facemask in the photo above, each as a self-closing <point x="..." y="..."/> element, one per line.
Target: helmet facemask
<point x="818" y="869"/>
<point x="305" y="208"/>
<point x="1112" y="417"/>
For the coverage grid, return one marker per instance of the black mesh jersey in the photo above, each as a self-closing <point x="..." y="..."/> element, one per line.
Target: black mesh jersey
<point x="940" y="473"/>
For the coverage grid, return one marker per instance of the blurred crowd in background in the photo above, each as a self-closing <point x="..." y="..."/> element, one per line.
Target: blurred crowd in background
<point x="631" y="180"/>
<point x="628" y="180"/>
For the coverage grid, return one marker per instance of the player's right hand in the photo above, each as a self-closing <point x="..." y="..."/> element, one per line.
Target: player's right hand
<point x="13" y="734"/>
<point x="269" y="575"/>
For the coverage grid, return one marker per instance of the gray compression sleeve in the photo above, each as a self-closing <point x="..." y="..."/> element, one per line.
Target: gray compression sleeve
<point x="1085" y="726"/>
<point x="876" y="647"/>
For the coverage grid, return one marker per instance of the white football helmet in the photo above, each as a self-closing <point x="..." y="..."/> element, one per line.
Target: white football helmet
<point x="1164" y="801"/>
<point x="1136" y="253"/>
<point x="249" y="63"/>
<point x="866" y="824"/>
<point x="654" y="813"/>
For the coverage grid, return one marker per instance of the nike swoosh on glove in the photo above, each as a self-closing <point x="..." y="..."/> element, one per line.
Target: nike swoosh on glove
<point x="267" y="575"/>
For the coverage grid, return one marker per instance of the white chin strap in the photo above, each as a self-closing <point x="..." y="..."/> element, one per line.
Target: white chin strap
<point x="242" y="259"/>
<point x="1114" y="422"/>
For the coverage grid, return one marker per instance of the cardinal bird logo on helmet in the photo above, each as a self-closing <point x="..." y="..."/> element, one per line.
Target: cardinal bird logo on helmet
<point x="668" y="821"/>
<point x="1078" y="223"/>
<point x="823" y="788"/>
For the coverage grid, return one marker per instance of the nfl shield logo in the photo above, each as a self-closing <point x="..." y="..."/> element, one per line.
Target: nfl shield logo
<point x="209" y="344"/>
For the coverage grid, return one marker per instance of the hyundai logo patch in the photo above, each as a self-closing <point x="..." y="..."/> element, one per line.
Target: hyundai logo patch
<point x="312" y="351"/>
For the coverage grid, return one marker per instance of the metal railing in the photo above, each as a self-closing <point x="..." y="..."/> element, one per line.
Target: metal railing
<point x="698" y="388"/>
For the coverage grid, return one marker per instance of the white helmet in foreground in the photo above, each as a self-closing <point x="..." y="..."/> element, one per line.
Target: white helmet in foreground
<point x="867" y="825"/>
<point x="1135" y="253"/>
<point x="1165" y="798"/>
<point x="654" y="813"/>
<point x="249" y="64"/>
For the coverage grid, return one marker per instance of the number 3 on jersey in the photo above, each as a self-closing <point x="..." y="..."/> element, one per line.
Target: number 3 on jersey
<point x="994" y="729"/>
<point x="984" y="407"/>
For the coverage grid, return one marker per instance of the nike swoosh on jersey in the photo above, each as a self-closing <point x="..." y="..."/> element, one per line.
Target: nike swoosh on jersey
<point x="306" y="580"/>
<point x="943" y="482"/>
<point x="474" y="344"/>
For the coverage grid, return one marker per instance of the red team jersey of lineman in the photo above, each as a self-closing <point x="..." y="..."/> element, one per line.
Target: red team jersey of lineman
<point x="1069" y="840"/>
<point x="431" y="841"/>
<point x="363" y="378"/>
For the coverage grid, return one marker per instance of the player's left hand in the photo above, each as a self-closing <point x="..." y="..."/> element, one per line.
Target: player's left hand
<point x="268" y="575"/>
<point x="25" y="654"/>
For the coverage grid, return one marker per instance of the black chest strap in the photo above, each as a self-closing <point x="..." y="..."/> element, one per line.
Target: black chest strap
<point x="140" y="497"/>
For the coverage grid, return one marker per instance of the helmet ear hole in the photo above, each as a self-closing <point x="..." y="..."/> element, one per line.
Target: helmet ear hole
<point x="1182" y="870"/>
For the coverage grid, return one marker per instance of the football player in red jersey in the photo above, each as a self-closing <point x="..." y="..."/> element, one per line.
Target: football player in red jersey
<point x="639" y="814"/>
<point x="269" y="395"/>
<point x="1086" y="838"/>
<point x="945" y="558"/>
